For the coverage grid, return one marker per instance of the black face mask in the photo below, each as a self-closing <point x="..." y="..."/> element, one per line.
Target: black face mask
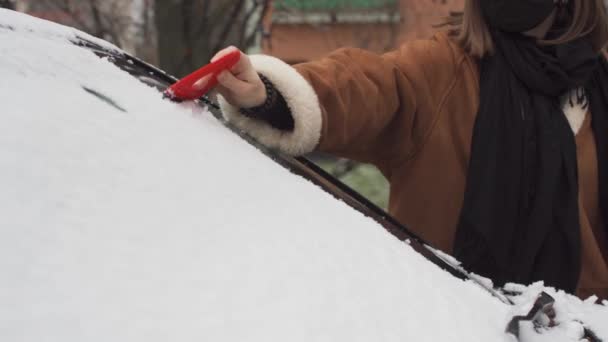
<point x="516" y="15"/>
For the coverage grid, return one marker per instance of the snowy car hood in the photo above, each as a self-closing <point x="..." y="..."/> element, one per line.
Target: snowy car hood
<point x="126" y="217"/>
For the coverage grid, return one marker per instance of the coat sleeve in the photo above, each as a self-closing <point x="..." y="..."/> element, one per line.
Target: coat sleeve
<point x="354" y="103"/>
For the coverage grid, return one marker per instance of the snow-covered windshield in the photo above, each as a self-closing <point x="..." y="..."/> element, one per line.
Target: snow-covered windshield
<point x="126" y="217"/>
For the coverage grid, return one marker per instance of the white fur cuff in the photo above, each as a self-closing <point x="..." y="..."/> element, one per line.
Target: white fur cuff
<point x="301" y="100"/>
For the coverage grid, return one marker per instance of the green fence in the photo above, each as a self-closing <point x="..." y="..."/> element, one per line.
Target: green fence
<point x="331" y="5"/>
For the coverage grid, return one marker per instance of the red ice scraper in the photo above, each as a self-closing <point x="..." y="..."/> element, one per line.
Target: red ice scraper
<point x="184" y="88"/>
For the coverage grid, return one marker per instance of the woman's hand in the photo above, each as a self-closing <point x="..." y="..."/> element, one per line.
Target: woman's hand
<point x="241" y="86"/>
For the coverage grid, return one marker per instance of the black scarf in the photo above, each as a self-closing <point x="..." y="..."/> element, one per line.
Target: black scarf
<point x="520" y="218"/>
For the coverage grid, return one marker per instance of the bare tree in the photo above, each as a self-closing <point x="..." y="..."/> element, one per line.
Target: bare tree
<point x="10" y="4"/>
<point x="106" y="19"/>
<point x="128" y="24"/>
<point x="191" y="31"/>
<point x="143" y="33"/>
<point x="180" y="35"/>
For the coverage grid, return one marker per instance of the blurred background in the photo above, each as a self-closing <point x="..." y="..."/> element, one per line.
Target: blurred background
<point x="181" y="35"/>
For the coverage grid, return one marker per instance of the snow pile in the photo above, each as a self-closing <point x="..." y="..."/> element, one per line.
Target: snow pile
<point x="573" y="314"/>
<point x="158" y="224"/>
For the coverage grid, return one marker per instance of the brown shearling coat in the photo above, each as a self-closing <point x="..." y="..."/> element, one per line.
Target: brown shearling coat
<point x="411" y="113"/>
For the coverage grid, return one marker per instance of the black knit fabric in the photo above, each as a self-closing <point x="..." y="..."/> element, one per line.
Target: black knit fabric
<point x="274" y="111"/>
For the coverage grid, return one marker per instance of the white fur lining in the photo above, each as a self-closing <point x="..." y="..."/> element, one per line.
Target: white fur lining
<point x="302" y="101"/>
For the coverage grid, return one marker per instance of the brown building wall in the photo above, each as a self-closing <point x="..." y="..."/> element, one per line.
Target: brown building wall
<point x="302" y="42"/>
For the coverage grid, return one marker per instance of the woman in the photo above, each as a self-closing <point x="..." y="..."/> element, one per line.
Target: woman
<point x="493" y="135"/>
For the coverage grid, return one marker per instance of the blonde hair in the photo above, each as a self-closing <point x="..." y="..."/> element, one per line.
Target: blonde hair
<point x="471" y="31"/>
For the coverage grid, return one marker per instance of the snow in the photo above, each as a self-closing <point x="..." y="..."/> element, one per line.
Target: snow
<point x="570" y="312"/>
<point x="159" y="224"/>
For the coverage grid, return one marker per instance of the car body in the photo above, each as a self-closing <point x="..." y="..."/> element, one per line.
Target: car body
<point x="127" y="217"/>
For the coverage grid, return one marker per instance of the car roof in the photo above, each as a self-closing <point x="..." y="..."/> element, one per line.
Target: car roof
<point x="126" y="217"/>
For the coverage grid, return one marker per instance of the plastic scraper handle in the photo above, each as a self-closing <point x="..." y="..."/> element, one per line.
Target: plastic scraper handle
<point x="184" y="88"/>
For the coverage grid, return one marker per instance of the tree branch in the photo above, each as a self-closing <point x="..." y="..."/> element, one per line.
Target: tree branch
<point x="221" y="40"/>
